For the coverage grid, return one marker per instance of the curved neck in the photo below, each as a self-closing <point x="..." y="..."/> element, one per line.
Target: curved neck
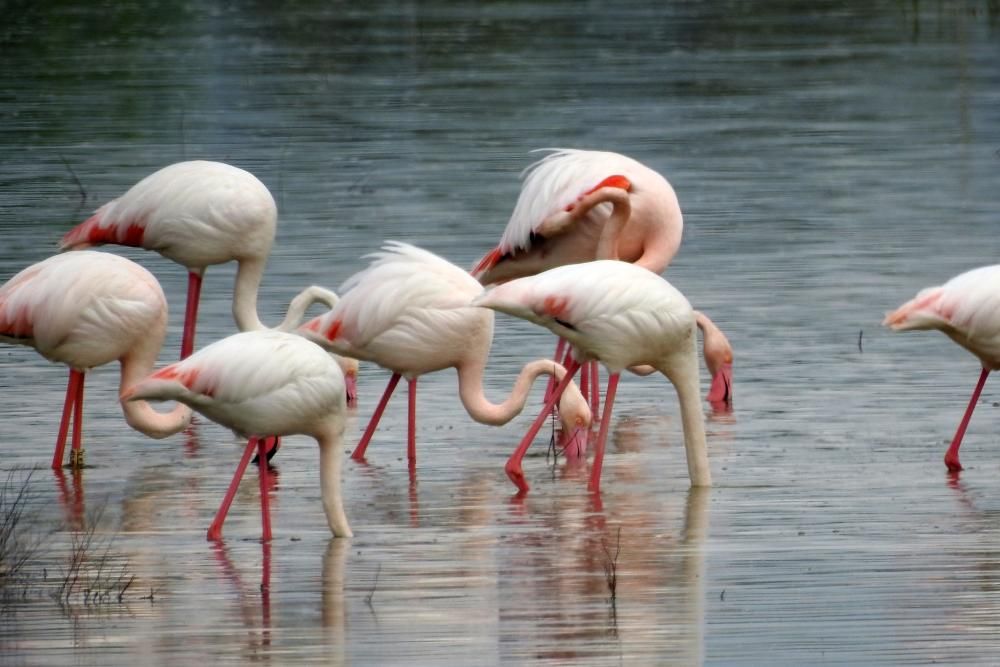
<point x="331" y="452"/>
<point x="303" y="300"/>
<point x="470" y="390"/>
<point x="249" y="273"/>
<point x="607" y="245"/>
<point x="140" y="415"/>
<point x="681" y="368"/>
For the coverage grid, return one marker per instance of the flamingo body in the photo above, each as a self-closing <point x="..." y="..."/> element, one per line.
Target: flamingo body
<point x="196" y="213"/>
<point x="263" y="383"/>
<point x="967" y="310"/>
<point x="621" y="315"/>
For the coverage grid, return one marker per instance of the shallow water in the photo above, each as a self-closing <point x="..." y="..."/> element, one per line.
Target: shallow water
<point x="829" y="162"/>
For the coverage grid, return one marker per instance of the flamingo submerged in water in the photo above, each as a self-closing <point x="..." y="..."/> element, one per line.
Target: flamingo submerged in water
<point x="409" y="312"/>
<point x="85" y="310"/>
<point x="967" y="310"/>
<point x="580" y="205"/>
<point x="621" y="315"/>
<point x="261" y="384"/>
<point x="197" y="214"/>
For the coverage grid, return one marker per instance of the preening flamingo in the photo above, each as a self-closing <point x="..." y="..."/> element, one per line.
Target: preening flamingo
<point x="409" y="312"/>
<point x="967" y="310"/>
<point x="579" y="205"/>
<point x="84" y="310"/>
<point x="621" y="315"/>
<point x="259" y="384"/>
<point x="199" y="213"/>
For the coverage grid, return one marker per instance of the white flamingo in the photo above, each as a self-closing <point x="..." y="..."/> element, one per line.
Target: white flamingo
<point x="260" y="384"/>
<point x="409" y="313"/>
<point x="623" y="316"/>
<point x="85" y="310"/>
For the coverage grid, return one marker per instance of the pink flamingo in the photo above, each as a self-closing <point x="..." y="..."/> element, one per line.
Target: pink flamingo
<point x="623" y="316"/>
<point x="967" y="310"/>
<point x="409" y="313"/>
<point x="261" y="384"/>
<point x="577" y="206"/>
<point x="200" y="213"/>
<point x="85" y="310"/>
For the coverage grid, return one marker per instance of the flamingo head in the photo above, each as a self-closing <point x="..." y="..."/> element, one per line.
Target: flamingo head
<point x="719" y="360"/>
<point x="575" y="418"/>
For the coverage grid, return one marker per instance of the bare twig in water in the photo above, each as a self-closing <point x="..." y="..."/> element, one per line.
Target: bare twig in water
<point x="860" y="334"/>
<point x="371" y="593"/>
<point x="79" y="185"/>
<point x="611" y="567"/>
<point x="19" y="539"/>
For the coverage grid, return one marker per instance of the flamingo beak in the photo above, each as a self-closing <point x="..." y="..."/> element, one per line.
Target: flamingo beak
<point x="271" y="445"/>
<point x="721" y="390"/>
<point x="574" y="443"/>
<point x="351" y="382"/>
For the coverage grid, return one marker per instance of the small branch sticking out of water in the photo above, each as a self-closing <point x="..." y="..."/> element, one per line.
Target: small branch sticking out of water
<point x="371" y="594"/>
<point x="611" y="567"/>
<point x="860" y="334"/>
<point x="79" y="185"/>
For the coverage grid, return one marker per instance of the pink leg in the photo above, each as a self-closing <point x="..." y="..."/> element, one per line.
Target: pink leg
<point x="602" y="436"/>
<point x="215" y="530"/>
<point x="557" y="356"/>
<point x="513" y="467"/>
<point x="595" y="387"/>
<point x="76" y="455"/>
<point x="411" y="430"/>
<point x="585" y="381"/>
<point x="265" y="500"/>
<point x="191" y="314"/>
<point x="951" y="456"/>
<point x="74" y="378"/>
<point x="359" y="451"/>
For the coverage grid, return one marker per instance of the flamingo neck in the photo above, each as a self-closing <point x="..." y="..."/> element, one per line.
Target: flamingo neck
<point x="331" y="453"/>
<point x="681" y="368"/>
<point x="607" y="245"/>
<point x="140" y="415"/>
<point x="249" y="274"/>
<point x="248" y="278"/>
<point x="470" y="389"/>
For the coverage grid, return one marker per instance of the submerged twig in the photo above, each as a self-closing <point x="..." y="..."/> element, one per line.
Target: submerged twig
<point x="860" y="334"/>
<point x="371" y="593"/>
<point x="79" y="185"/>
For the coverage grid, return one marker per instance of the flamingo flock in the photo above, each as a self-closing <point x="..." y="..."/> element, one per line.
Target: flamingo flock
<point x="581" y="256"/>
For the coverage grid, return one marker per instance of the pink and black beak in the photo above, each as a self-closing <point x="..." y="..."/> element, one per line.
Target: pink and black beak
<point x="271" y="445"/>
<point x="351" y="382"/>
<point x="573" y="443"/>
<point x="721" y="391"/>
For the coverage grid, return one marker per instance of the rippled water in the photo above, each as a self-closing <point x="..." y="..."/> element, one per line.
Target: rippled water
<point x="830" y="161"/>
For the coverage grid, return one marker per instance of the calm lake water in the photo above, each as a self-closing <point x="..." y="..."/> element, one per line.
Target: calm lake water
<point x="830" y="162"/>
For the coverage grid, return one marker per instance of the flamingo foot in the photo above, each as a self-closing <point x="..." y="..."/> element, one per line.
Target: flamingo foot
<point x="76" y="459"/>
<point x="516" y="475"/>
<point x="952" y="463"/>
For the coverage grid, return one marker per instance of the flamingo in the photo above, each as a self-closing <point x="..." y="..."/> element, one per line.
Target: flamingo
<point x="261" y="384"/>
<point x="409" y="312"/>
<point x="621" y="315"/>
<point x="199" y="213"/>
<point x="85" y="310"/>
<point x="967" y="310"/>
<point x="580" y="205"/>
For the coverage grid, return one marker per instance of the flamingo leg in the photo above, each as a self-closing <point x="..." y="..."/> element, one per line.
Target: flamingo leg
<point x="557" y="356"/>
<point x="265" y="500"/>
<point x="215" y="530"/>
<point x="74" y="378"/>
<point x="602" y="436"/>
<point x="513" y="467"/>
<point x="585" y="381"/>
<point x="951" y="456"/>
<point x="595" y="387"/>
<point x="359" y="451"/>
<point x="76" y="454"/>
<point x="411" y="430"/>
<point x="191" y="313"/>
